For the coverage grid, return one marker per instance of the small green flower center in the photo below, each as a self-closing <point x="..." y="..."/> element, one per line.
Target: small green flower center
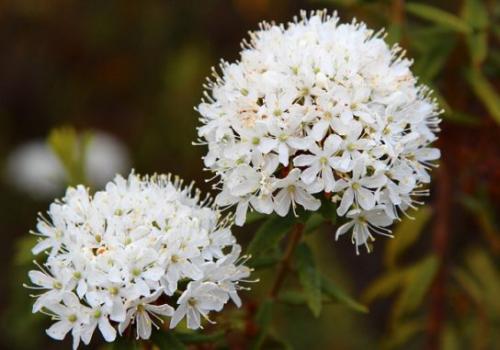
<point x="136" y="272"/>
<point x="57" y="285"/>
<point x="175" y="259"/>
<point x="98" y="238"/>
<point x="323" y="160"/>
<point x="244" y="92"/>
<point x="277" y="112"/>
<point x="351" y="147"/>
<point x="283" y="137"/>
<point x="192" y="302"/>
<point x="140" y="308"/>
<point x="113" y="291"/>
<point x="77" y="275"/>
<point x="97" y="313"/>
<point x="291" y="189"/>
<point x="356" y="186"/>
<point x="255" y="141"/>
<point x="72" y="318"/>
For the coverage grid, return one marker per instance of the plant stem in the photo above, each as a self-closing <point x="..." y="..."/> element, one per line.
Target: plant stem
<point x="284" y="267"/>
<point x="440" y="244"/>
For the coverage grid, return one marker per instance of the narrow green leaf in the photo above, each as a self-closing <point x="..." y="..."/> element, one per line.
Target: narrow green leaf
<point x="405" y="234"/>
<point x="270" y="234"/>
<point x="70" y="148"/>
<point x="334" y="292"/>
<point x="403" y="333"/>
<point x="384" y="285"/>
<point x="310" y="278"/>
<point x="313" y="223"/>
<point x="416" y="287"/>
<point x="438" y="16"/>
<point x="263" y="319"/>
<point x="474" y="12"/>
<point x="167" y="340"/>
<point x="485" y="92"/>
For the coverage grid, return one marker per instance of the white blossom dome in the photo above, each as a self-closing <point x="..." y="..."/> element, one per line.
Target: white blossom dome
<point x="142" y="249"/>
<point x="317" y="107"/>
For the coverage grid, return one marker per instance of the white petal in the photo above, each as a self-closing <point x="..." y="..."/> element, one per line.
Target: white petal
<point x="282" y="202"/>
<point x="306" y="200"/>
<point x="365" y="198"/>
<point x="59" y="330"/>
<point x="346" y="202"/>
<point x="107" y="331"/>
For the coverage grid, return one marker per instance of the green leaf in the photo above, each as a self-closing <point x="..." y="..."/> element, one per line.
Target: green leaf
<point x="438" y="16"/>
<point x="263" y="319"/>
<point x="254" y="216"/>
<point x="328" y="210"/>
<point x="476" y="15"/>
<point x="270" y="234"/>
<point x="405" y="234"/>
<point x="417" y="284"/>
<point x="313" y="223"/>
<point x="485" y="92"/>
<point x="334" y="292"/>
<point x="402" y="333"/>
<point x="70" y="148"/>
<point x="385" y="285"/>
<point x="310" y="278"/>
<point x="167" y="340"/>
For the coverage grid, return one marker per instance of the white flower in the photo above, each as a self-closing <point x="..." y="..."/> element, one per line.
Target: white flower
<point x="361" y="223"/>
<point x="140" y="312"/>
<point x="198" y="299"/>
<point x="117" y="257"/>
<point x="306" y="104"/>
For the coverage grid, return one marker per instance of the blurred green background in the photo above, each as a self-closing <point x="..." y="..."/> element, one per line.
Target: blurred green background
<point x="135" y="69"/>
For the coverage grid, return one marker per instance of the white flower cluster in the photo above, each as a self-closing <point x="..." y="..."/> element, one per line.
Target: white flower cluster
<point x="128" y="254"/>
<point x="317" y="106"/>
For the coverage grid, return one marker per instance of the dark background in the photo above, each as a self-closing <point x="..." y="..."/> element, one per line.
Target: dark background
<point x="135" y="69"/>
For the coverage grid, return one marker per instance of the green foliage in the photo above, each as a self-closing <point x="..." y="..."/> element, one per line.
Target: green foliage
<point x="438" y="16"/>
<point x="167" y="340"/>
<point x="309" y="278"/>
<point x="70" y="148"/>
<point x="406" y="233"/>
<point x="263" y="320"/>
<point x="485" y="92"/>
<point x="270" y="234"/>
<point x="331" y="290"/>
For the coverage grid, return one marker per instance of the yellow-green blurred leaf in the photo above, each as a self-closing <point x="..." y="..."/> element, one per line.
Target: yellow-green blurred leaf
<point x="402" y="333"/>
<point x="419" y="280"/>
<point x="438" y="16"/>
<point x="450" y="340"/>
<point x="70" y="148"/>
<point x="488" y="275"/>
<point x="336" y="293"/>
<point x="385" y="285"/>
<point x="405" y="234"/>
<point x="485" y="92"/>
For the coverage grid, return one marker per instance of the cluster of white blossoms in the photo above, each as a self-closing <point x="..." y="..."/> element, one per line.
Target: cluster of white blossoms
<point x="142" y="249"/>
<point x="320" y="107"/>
